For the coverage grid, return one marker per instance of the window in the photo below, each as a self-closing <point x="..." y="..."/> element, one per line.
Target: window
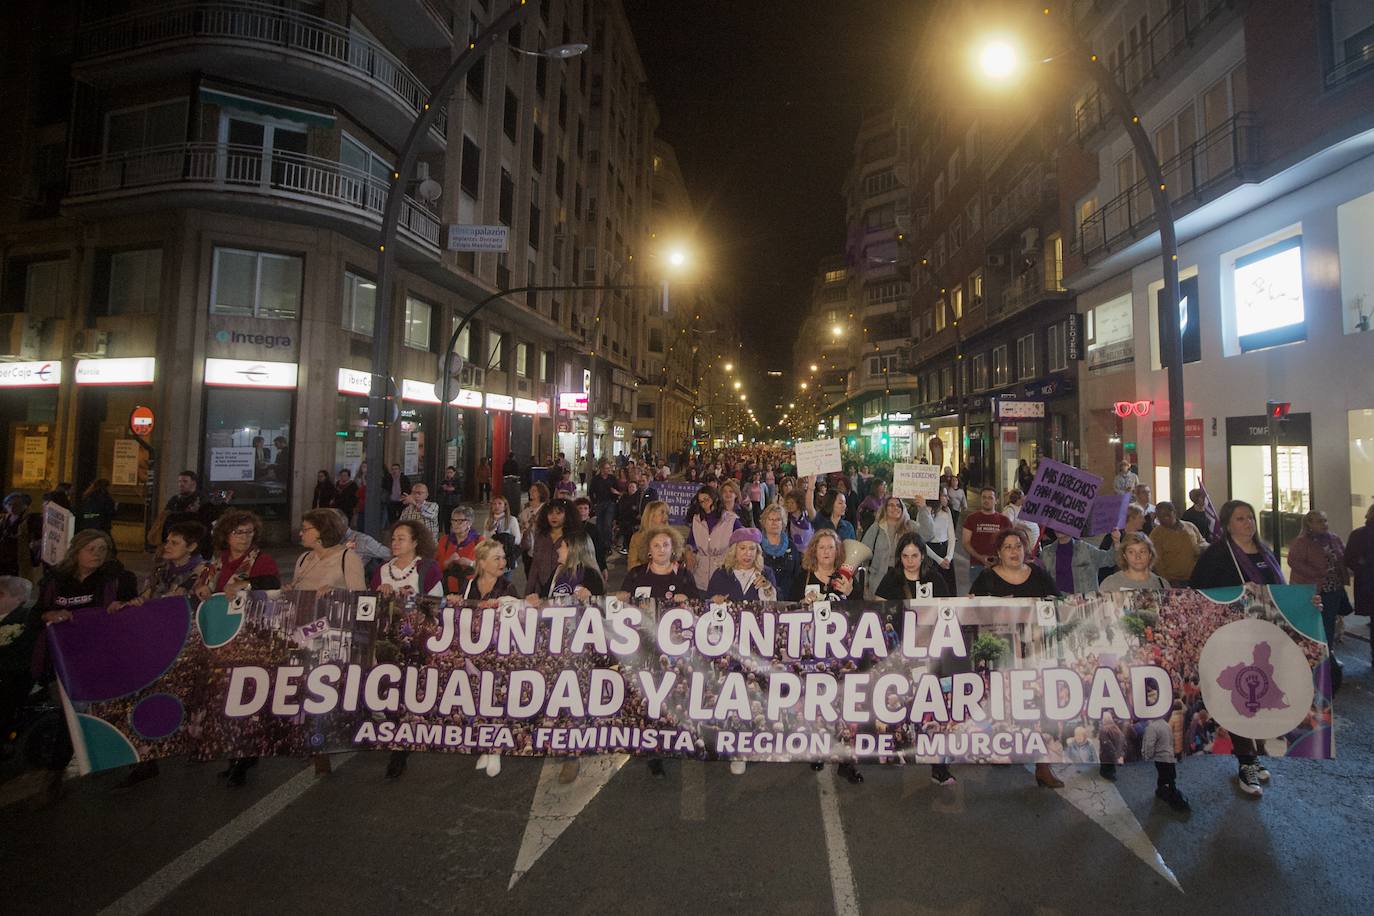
<point x="541" y="76"/>
<point x="496" y="351"/>
<point x="938" y="192"/>
<point x="41" y="284"/>
<point x="522" y="360"/>
<point x="1349" y="38"/>
<point x="881" y="217"/>
<point x="255" y="284"/>
<point x="1057" y="347"/>
<point x="980" y="372"/>
<point x="135" y="282"/>
<point x="470" y="173"/>
<point x="655" y="340"/>
<point x="941" y="319"/>
<point x="953" y="168"/>
<point x="971" y="216"/>
<point x="546" y="366"/>
<point x="947" y="382"/>
<point x="159" y="124"/>
<point x="463" y="345"/>
<point x="975" y="289"/>
<point x="506" y="205"/>
<point x="511" y="116"/>
<point x="835" y="276"/>
<point x="560" y="177"/>
<point x="1268" y="296"/>
<point x="956" y="302"/>
<point x="880" y="293"/>
<point x="477" y="80"/>
<point x="880" y="183"/>
<point x="537" y="149"/>
<point x="1025" y="356"/>
<point x="418" y="315"/>
<point x="956" y="233"/>
<point x="535" y="227"/>
<point x="359" y="303"/>
<point x="1001" y="368"/>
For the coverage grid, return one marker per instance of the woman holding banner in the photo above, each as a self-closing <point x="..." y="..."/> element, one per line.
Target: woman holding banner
<point x="1238" y="557"/>
<point x="743" y="576"/>
<point x="239" y="561"/>
<point x="555" y="520"/>
<point x="825" y="582"/>
<point x="711" y="525"/>
<point x="779" y="553"/>
<point x="1010" y="576"/>
<point x="660" y="577"/>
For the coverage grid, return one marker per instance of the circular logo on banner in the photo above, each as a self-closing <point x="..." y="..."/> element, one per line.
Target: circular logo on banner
<point x="141" y="421"/>
<point x="1255" y="680"/>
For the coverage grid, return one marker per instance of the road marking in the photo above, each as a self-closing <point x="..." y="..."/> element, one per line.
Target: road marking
<point x="1102" y="801"/>
<point x="160" y="885"/>
<point x="555" y="805"/>
<point x="836" y="849"/>
<point x="693" y="803"/>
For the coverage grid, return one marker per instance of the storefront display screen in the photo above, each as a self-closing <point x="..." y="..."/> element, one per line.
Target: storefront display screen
<point x="1269" y="303"/>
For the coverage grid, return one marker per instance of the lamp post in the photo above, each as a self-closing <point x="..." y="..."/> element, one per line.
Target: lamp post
<point x="378" y="417"/>
<point x="1000" y="61"/>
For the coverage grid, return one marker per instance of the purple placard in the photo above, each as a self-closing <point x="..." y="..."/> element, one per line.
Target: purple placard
<point x="678" y="495"/>
<point x="1108" y="513"/>
<point x="1060" y="497"/>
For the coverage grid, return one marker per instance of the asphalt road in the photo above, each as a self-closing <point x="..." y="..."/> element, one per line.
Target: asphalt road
<point x="779" y="839"/>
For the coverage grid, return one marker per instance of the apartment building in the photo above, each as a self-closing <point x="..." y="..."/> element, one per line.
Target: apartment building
<point x="1270" y="175"/>
<point x="202" y="187"/>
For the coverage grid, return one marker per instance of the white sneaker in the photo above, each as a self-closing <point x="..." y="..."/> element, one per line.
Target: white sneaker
<point x="1261" y="772"/>
<point x="482" y="761"/>
<point x="1249" y="780"/>
<point x="493" y="764"/>
<point x="737" y="767"/>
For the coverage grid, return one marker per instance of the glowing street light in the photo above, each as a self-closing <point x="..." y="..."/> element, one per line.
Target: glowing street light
<point x="738" y="384"/>
<point x="744" y="397"/>
<point x="999" y="60"/>
<point x="836" y="331"/>
<point x="729" y="367"/>
<point x="813" y="367"/>
<point x="803" y="386"/>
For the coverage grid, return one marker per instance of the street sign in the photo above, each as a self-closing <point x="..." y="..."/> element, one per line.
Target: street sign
<point x="141" y="421"/>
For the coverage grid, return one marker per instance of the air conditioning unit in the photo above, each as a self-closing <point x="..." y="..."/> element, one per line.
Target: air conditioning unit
<point x="20" y="336"/>
<point x="1030" y="241"/>
<point x="89" y="343"/>
<point x="997" y="259"/>
<point x="474" y="377"/>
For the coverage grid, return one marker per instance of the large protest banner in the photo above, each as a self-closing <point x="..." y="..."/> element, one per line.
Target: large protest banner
<point x="678" y="495"/>
<point x="964" y="680"/>
<point x="1060" y="497"/>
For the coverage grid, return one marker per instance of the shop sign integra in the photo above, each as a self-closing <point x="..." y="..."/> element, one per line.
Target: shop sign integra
<point x="248" y="338"/>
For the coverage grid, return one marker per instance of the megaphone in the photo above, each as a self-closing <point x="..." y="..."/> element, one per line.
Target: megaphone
<point x="856" y="554"/>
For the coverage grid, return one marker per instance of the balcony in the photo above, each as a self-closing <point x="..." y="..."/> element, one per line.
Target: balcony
<point x="1220" y="159"/>
<point x="1035" y="191"/>
<point x="252" y="180"/>
<point x="1170" y="40"/>
<point x="304" y="55"/>
<point x="1028" y="289"/>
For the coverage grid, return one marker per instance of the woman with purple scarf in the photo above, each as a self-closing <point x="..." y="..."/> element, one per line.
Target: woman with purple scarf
<point x="1238" y="557"/>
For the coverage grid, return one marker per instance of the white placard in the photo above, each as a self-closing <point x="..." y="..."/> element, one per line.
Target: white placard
<point x="411" y="462"/>
<point x="820" y="456"/>
<point x="58" y="527"/>
<point x="232" y="464"/>
<point x="124" y="470"/>
<point x="915" y="481"/>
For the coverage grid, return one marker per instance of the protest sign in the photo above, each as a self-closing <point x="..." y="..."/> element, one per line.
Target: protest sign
<point x="58" y="527"/>
<point x="1060" y="497"/>
<point x="966" y="680"/>
<point x="820" y="456"/>
<point x="1108" y="513"/>
<point x="915" y="481"/>
<point x="678" y="495"/>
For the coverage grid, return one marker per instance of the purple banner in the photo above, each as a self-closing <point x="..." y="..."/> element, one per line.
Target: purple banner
<point x="678" y="495"/>
<point x="1108" y="513"/>
<point x="1061" y="497"/>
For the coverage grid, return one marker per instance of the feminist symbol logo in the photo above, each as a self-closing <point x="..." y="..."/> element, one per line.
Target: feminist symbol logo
<point x="1252" y="686"/>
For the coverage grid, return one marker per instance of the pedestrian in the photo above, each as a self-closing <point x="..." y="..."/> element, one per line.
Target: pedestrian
<point x="576" y="577"/>
<point x="958" y="499"/>
<point x="661" y="576"/>
<point x="940" y="542"/>
<point x="779" y="553"/>
<point x="19" y="631"/>
<point x="415" y="506"/>
<point x="501" y="525"/>
<point x="825" y="581"/>
<point x="325" y="492"/>
<point x="654" y="515"/>
<point x="1359" y="559"/>
<point x="1157" y="745"/>
<point x="1126" y="479"/>
<point x="1024" y="476"/>
<point x="456" y="550"/>
<point x="184" y="505"/>
<point x="345" y="493"/>
<point x="486" y="581"/>
<point x="1197" y="513"/>
<point x="1073" y="563"/>
<point x="1011" y="508"/>
<point x="882" y="537"/>
<point x="604" y="491"/>
<point x="583" y="507"/>
<point x="831" y="515"/>
<point x="1317" y="557"/>
<point x="1140" y="496"/>
<point x="395" y="485"/>
<point x="742" y="575"/>
<point x="799" y="529"/>
<point x="16" y="558"/>
<point x="710" y="527"/>
<point x="483" y="479"/>
<point x="556" y="519"/>
<point x="538" y="496"/>
<point x="1136" y="558"/>
<point x="980" y="529"/>
<point x="178" y="564"/>
<point x="97" y="507"/>
<point x="238" y="562"/>
<point x="1178" y="544"/>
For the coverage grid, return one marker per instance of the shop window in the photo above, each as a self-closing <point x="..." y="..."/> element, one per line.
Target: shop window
<point x="417" y="330"/>
<point x="1361" y="464"/>
<point x="243" y="428"/>
<point x="255" y="284"/>
<point x="1266" y="297"/>
<point x="135" y="284"/>
<point x="359" y="303"/>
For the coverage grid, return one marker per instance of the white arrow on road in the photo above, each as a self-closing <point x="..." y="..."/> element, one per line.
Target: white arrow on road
<point x="556" y="805"/>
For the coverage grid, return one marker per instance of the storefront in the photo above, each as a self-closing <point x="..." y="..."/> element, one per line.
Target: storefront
<point x="1361" y="424"/>
<point x="1192" y="433"/>
<point x="573" y="427"/>
<point x="350" y="420"/>
<point x="901" y="436"/>
<point x="1251" y="466"/>
<point x="418" y="421"/>
<point x="248" y="422"/>
<point x="1021" y="428"/>
<point x="28" y="423"/>
<point x="108" y="390"/>
<point x="620" y="439"/>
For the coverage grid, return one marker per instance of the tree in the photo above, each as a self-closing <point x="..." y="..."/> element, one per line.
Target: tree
<point x="988" y="648"/>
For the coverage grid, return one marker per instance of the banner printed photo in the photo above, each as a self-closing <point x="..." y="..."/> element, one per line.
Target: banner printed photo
<point x="963" y="680"/>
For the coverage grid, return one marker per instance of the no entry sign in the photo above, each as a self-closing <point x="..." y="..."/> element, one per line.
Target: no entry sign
<point x="141" y="421"/>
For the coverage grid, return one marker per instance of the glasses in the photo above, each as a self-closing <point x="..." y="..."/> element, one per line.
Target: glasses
<point x="243" y="532"/>
<point x="304" y="529"/>
<point x="461" y="520"/>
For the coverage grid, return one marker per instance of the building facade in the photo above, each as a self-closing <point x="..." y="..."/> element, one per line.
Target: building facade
<point x="203" y="190"/>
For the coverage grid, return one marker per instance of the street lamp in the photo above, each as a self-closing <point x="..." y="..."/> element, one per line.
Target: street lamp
<point x="999" y="60"/>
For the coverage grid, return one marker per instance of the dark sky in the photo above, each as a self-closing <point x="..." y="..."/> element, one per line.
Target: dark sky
<point x="762" y="99"/>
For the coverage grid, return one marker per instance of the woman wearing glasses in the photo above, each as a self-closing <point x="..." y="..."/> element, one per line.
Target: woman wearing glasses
<point x="456" y="552"/>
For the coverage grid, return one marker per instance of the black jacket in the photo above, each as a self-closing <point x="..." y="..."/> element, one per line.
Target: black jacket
<point x="890" y="589"/>
<point x="386" y="485"/>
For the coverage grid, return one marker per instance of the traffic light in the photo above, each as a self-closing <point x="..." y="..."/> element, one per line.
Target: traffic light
<point x="1278" y="410"/>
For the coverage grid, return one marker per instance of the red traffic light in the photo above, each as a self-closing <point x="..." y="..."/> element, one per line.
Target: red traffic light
<point x="1278" y="410"/>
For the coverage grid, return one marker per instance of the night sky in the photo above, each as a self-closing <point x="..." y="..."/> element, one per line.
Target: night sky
<point x="762" y="100"/>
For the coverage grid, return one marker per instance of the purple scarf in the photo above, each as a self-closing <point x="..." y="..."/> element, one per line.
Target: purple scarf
<point x="1063" y="566"/>
<point x="1249" y="569"/>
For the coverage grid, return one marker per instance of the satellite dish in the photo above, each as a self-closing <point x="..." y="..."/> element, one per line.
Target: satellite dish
<point x="428" y="189"/>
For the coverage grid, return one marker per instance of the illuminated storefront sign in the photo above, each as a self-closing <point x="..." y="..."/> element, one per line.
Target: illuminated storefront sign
<point x="247" y="373"/>
<point x="133" y="370"/>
